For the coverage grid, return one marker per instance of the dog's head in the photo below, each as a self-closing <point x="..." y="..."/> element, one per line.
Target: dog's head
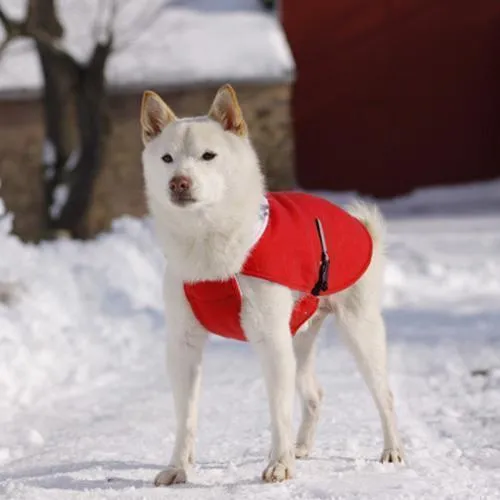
<point x="197" y="163"/>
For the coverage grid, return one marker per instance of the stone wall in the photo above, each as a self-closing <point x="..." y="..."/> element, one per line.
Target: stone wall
<point x="119" y="186"/>
<point x="21" y="137"/>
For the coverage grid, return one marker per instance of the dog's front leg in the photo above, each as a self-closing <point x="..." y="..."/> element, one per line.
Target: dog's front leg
<point x="184" y="356"/>
<point x="265" y="319"/>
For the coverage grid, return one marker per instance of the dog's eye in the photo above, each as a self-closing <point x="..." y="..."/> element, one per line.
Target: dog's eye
<point x="208" y="155"/>
<point x="167" y="158"/>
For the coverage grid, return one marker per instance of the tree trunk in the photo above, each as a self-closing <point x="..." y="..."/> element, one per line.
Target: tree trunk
<point x="74" y="98"/>
<point x="92" y="124"/>
<point x="59" y="76"/>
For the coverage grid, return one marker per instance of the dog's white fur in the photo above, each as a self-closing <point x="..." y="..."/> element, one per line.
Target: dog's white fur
<point x="209" y="239"/>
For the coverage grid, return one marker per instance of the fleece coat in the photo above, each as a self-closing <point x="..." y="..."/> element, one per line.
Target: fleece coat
<point x="289" y="252"/>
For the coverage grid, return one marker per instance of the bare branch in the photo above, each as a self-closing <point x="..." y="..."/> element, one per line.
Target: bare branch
<point x="3" y="46"/>
<point x="53" y="46"/>
<point x="4" y="20"/>
<point x="103" y="32"/>
<point x="46" y="32"/>
<point x="13" y="29"/>
<point x="42" y="26"/>
<point x="111" y="19"/>
<point x="101" y="52"/>
<point x="42" y="16"/>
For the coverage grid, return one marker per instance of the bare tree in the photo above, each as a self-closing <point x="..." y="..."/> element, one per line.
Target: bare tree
<point x="75" y="113"/>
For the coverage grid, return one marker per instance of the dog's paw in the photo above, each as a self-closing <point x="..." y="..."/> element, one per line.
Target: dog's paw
<point x="392" y="456"/>
<point x="278" y="471"/>
<point x="302" y="450"/>
<point x="171" y="475"/>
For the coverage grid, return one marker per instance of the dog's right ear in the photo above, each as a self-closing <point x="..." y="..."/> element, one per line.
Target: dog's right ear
<point x="155" y="116"/>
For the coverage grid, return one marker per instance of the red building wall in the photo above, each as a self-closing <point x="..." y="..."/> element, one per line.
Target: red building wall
<point x="395" y="94"/>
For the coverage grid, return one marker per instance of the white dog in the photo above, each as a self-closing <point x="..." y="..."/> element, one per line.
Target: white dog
<point x="207" y="196"/>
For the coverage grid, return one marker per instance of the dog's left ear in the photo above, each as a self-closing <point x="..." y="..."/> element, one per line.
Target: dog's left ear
<point x="155" y="116"/>
<point x="226" y="110"/>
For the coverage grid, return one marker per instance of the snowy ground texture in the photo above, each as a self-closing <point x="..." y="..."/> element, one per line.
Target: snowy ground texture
<point x="85" y="406"/>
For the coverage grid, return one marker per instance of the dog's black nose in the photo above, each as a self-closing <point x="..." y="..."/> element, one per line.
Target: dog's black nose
<point x="179" y="184"/>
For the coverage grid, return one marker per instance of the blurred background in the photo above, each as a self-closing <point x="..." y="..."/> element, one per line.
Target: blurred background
<point x="363" y="96"/>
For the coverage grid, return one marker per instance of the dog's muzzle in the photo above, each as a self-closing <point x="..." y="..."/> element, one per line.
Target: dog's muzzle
<point x="180" y="190"/>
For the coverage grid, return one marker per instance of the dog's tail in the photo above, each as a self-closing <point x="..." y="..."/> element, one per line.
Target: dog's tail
<point x="370" y="215"/>
<point x="371" y="282"/>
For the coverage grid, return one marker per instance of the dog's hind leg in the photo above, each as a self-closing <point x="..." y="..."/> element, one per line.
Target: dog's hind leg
<point x="307" y="384"/>
<point x="358" y="311"/>
<point x="364" y="333"/>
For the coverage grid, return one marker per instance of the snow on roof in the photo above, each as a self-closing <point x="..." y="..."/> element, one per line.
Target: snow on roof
<point x="161" y="43"/>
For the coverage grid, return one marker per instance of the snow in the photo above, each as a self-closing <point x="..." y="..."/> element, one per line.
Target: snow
<point x="162" y="43"/>
<point x="5" y="219"/>
<point x="49" y="157"/>
<point x="85" y="405"/>
<point x="61" y="195"/>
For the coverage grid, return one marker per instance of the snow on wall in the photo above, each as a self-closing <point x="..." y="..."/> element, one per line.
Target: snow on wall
<point x="6" y="219"/>
<point x="162" y="43"/>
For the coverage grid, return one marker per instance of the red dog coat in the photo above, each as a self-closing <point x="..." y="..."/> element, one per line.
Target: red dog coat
<point x="289" y="252"/>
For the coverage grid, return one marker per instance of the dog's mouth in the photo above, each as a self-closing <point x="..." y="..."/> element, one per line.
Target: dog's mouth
<point x="182" y="200"/>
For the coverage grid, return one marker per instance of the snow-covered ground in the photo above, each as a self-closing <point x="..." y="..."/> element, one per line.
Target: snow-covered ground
<point x="85" y="406"/>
